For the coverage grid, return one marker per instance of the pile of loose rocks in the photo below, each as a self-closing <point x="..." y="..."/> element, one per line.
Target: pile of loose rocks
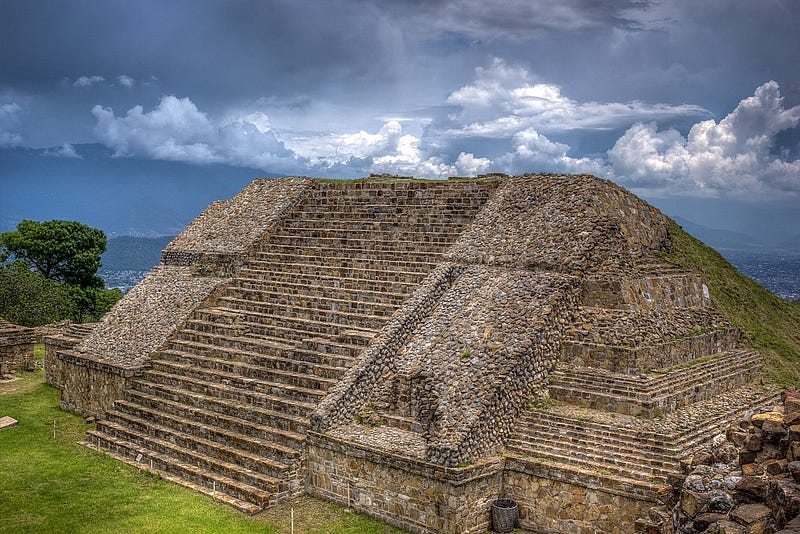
<point x="746" y="482"/>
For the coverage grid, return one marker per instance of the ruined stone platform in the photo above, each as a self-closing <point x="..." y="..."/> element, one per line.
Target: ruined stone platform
<point x="415" y="350"/>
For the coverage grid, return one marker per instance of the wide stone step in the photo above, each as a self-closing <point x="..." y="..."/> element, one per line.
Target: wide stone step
<point x="291" y="333"/>
<point x="333" y="227"/>
<point x="228" y="441"/>
<point x="306" y="394"/>
<point x="279" y="278"/>
<point x="680" y="389"/>
<point x="353" y="304"/>
<point x="418" y="247"/>
<point x="363" y="315"/>
<point x="223" y="399"/>
<point x="249" y="500"/>
<point x="369" y="268"/>
<point x="296" y="360"/>
<point x="312" y="378"/>
<point x="262" y="323"/>
<point x="273" y="397"/>
<point x="253" y="469"/>
<point x="619" y="440"/>
<point x="269" y="289"/>
<point x="160" y="396"/>
<point x="181" y="417"/>
<point x="623" y="466"/>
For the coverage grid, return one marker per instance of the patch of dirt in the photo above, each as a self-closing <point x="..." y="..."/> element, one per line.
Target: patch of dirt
<point x="21" y="382"/>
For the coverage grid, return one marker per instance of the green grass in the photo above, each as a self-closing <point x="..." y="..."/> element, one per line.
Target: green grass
<point x="769" y="323"/>
<point x="55" y="485"/>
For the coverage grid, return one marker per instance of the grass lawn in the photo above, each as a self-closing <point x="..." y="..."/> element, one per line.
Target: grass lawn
<point x="55" y="485"/>
<point x="769" y="324"/>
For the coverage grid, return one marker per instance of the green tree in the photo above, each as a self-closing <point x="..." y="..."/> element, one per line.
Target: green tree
<point x="30" y="299"/>
<point x="64" y="251"/>
<point x="53" y="274"/>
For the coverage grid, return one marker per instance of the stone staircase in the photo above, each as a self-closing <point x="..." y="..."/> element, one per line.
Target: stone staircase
<point x="224" y="406"/>
<point x="648" y="375"/>
<point x="627" y="455"/>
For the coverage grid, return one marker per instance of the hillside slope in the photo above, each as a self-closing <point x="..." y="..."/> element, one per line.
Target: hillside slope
<point x="770" y="324"/>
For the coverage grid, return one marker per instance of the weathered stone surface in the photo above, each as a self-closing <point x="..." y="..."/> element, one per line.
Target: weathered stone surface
<point x="7" y="421"/>
<point x="750" y="514"/>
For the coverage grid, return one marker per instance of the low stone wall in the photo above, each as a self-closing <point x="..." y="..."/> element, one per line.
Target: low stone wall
<point x="634" y="360"/>
<point x="548" y="505"/>
<point x="90" y="387"/>
<point x="53" y="367"/>
<point x="16" y="347"/>
<point x="644" y="292"/>
<point x="411" y="494"/>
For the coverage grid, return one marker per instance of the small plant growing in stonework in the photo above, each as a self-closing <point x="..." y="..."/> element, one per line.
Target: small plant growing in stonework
<point x="466" y="354"/>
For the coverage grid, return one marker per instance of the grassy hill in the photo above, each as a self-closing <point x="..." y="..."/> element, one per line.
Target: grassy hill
<point x="770" y="324"/>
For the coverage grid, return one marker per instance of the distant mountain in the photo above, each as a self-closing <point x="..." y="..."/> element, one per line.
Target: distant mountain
<point x="717" y="238"/>
<point x="129" y="253"/>
<point x="119" y="195"/>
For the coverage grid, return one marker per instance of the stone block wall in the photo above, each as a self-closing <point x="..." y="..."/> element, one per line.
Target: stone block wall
<point x="90" y="387"/>
<point x="411" y="494"/>
<point x="547" y="504"/>
<point x="634" y="360"/>
<point x="632" y="292"/>
<point x="16" y="347"/>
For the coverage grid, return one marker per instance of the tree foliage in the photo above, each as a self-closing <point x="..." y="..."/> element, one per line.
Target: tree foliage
<point x="53" y="275"/>
<point x="64" y="251"/>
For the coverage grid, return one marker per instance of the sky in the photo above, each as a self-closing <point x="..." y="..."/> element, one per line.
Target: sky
<point x="695" y="106"/>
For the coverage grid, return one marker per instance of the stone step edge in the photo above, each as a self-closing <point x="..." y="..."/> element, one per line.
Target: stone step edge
<point x="150" y="385"/>
<point x="647" y="397"/>
<point x="144" y="441"/>
<point x="178" y="357"/>
<point x="288" y="434"/>
<point x="121" y="414"/>
<point x="308" y="392"/>
<point x="592" y="462"/>
<point x="200" y="346"/>
<point x="200" y="398"/>
<point x="661" y="378"/>
<point x="243" y="506"/>
<point x="278" y="399"/>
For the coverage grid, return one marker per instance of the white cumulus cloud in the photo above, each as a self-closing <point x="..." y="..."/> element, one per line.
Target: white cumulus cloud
<point x="176" y="130"/>
<point x="533" y="151"/>
<point x="64" y="151"/>
<point x="125" y="80"/>
<point x="504" y="100"/>
<point x="732" y="156"/>
<point x="88" y="81"/>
